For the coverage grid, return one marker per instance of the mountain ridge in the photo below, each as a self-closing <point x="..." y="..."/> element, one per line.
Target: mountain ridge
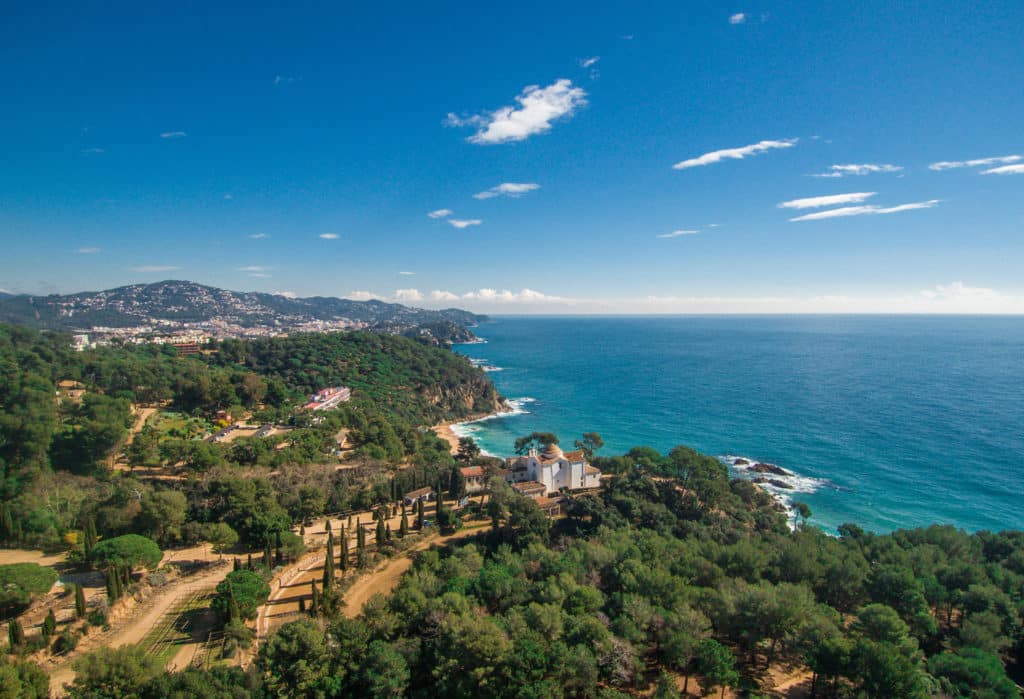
<point x="184" y="301"/>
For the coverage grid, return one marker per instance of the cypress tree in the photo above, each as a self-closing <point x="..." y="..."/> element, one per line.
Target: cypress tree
<point x="6" y="522"/>
<point x="343" y="559"/>
<point x="302" y="530"/>
<point x="266" y="555"/>
<point x="387" y="532"/>
<point x="327" y="525"/>
<point x="79" y="602"/>
<point x="233" y="612"/>
<point x="49" y="626"/>
<point x="238" y="564"/>
<point x="277" y="548"/>
<point x="403" y="528"/>
<point x="360" y="539"/>
<point x="380" y="532"/>
<point x="420" y="515"/>
<point x="314" y="607"/>
<point x="89" y="536"/>
<point x="15" y="634"/>
<point x="302" y="605"/>
<point x="329" y="562"/>
<point x="248" y="563"/>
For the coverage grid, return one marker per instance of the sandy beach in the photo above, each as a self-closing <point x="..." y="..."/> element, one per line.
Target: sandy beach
<point x="444" y="431"/>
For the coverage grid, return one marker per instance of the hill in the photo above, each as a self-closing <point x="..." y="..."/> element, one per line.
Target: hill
<point x="189" y="302"/>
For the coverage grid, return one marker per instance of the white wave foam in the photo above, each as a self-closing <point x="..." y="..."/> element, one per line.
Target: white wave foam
<point x="470" y="428"/>
<point x="743" y="467"/>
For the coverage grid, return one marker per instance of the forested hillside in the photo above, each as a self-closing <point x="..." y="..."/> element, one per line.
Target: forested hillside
<point x="56" y="452"/>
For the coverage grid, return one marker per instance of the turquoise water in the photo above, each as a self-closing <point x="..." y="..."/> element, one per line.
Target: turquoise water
<point x="888" y="422"/>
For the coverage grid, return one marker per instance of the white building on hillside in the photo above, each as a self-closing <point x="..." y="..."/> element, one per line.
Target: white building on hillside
<point x="554" y="469"/>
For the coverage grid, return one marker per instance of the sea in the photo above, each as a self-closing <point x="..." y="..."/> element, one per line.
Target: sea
<point x="888" y="422"/>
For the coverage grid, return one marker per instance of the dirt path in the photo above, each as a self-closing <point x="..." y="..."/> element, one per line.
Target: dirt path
<point x="385" y="579"/>
<point x="134" y="628"/>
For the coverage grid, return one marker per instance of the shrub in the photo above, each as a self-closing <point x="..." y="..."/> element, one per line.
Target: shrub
<point x="19" y="582"/>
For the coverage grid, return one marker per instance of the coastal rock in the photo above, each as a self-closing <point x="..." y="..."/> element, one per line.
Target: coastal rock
<point x="742" y="462"/>
<point x="761" y="467"/>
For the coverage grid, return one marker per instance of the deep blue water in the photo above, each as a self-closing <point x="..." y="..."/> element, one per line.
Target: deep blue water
<point x="890" y="422"/>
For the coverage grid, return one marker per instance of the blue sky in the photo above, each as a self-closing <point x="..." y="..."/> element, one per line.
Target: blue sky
<point x="624" y="160"/>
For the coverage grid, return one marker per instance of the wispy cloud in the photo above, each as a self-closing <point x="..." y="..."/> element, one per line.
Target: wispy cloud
<point x="253" y="268"/>
<point x="88" y="251"/>
<point x="259" y="236"/>
<point x="538" y="108"/>
<point x="677" y="234"/>
<point x="588" y="62"/>
<point x="828" y="200"/>
<point x="718" y="156"/>
<point x="738" y="18"/>
<point x="499" y="296"/>
<point x="507" y="189"/>
<point x="1005" y="170"/>
<point x="173" y="134"/>
<point x="464" y="223"/>
<point x="858" y="170"/>
<point x="329" y="236"/>
<point x="408" y="295"/>
<point x="977" y="162"/>
<point x="440" y="213"/>
<point x="364" y="296"/>
<point x="93" y="151"/>
<point x="407" y="274"/>
<point x="155" y="268"/>
<point x="869" y="209"/>
<point x="286" y="294"/>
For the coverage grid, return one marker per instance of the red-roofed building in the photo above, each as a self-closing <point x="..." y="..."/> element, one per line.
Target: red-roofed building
<point x="476" y="479"/>
<point x="554" y="469"/>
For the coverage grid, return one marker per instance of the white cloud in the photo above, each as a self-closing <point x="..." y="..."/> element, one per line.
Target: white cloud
<point x="155" y="268"/>
<point x="464" y="223"/>
<point x="507" y="189"/>
<point x="438" y="295"/>
<point x="505" y="296"/>
<point x="854" y="169"/>
<point x="88" y="251"/>
<point x="329" y="236"/>
<point x="286" y="294"/>
<point x="738" y="18"/>
<point x="408" y="295"/>
<point x="253" y="268"/>
<point x="677" y="234"/>
<point x="259" y="236"/>
<point x="173" y="134"/>
<point x="260" y="275"/>
<point x="735" y="153"/>
<point x="440" y="213"/>
<point x="869" y="209"/>
<point x="407" y="274"/>
<point x="830" y="200"/>
<point x="587" y="62"/>
<point x="958" y="290"/>
<point x="364" y="296"/>
<point x="1005" y="170"/>
<point x="538" y="108"/>
<point x="978" y="162"/>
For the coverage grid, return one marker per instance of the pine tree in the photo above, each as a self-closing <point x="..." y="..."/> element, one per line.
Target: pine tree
<point x="79" y="602"/>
